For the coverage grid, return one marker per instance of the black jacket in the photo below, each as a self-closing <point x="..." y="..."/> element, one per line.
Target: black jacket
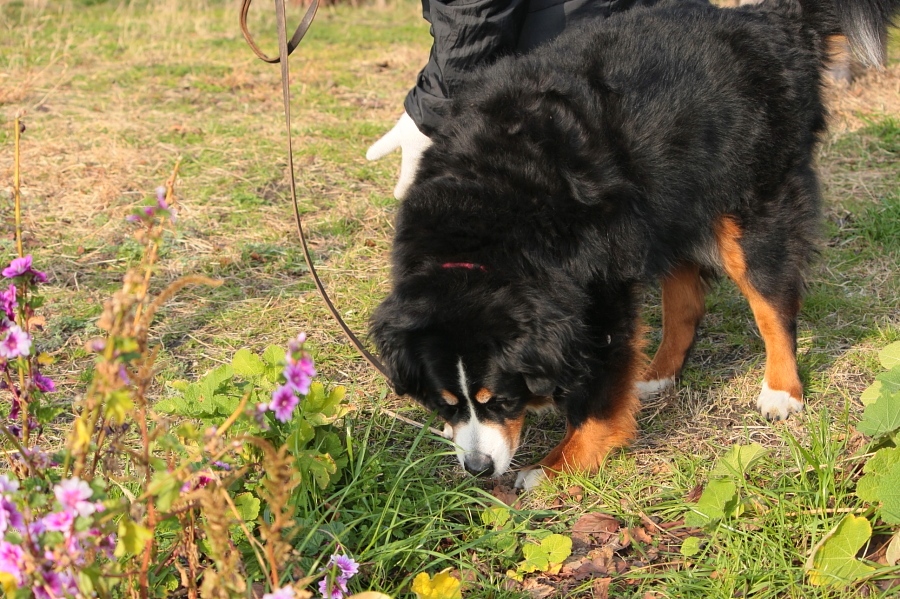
<point x="472" y="33"/>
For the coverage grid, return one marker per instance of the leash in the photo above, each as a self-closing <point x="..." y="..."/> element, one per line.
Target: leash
<point x="285" y="48"/>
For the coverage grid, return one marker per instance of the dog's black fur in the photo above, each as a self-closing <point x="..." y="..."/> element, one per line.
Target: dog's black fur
<point x="566" y="178"/>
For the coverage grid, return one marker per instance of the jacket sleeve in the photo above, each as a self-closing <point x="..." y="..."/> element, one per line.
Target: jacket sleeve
<point x="467" y="34"/>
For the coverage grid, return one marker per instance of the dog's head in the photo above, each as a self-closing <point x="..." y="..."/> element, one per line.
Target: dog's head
<point x="479" y="351"/>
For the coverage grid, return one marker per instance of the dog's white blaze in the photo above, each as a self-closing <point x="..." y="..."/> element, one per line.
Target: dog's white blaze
<point x="777" y="404"/>
<point x="474" y="435"/>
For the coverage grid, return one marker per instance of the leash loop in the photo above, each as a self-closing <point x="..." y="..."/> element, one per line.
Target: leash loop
<point x="292" y="44"/>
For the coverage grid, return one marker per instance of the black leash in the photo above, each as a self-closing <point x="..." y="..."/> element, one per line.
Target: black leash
<point x="285" y="48"/>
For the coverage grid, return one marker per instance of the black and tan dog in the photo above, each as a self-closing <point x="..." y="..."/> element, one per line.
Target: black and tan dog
<point x="664" y="143"/>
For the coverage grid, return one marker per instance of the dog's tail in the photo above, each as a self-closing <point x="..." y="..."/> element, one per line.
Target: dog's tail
<point x="864" y="22"/>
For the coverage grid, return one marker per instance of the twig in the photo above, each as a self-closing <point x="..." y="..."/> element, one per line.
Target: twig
<point x="397" y="416"/>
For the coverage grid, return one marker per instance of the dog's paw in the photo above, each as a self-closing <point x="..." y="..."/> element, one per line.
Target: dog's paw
<point x="530" y="478"/>
<point x="647" y="388"/>
<point x="777" y="405"/>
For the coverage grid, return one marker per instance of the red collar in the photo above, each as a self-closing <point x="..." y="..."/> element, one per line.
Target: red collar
<point x="466" y="265"/>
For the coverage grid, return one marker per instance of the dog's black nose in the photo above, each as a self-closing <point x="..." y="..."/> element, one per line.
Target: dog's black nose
<point x="479" y="464"/>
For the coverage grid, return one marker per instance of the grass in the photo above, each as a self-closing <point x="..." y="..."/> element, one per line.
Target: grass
<point x="116" y="92"/>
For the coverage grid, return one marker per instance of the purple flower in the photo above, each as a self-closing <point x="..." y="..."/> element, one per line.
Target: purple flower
<point x="285" y="593"/>
<point x="294" y="345"/>
<point x="347" y="565"/>
<point x="55" y="585"/>
<point x="9" y="516"/>
<point x="61" y="521"/>
<point x="332" y="589"/>
<point x="11" y="561"/>
<point x="7" y="485"/>
<point x="8" y="303"/>
<point x="22" y="266"/>
<point x="17" y="343"/>
<point x="299" y="374"/>
<point x="161" y="198"/>
<point x="283" y="403"/>
<point x="43" y="383"/>
<point x="73" y="494"/>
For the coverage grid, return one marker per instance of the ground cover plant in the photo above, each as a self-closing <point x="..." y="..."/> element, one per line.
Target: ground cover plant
<point x="709" y="502"/>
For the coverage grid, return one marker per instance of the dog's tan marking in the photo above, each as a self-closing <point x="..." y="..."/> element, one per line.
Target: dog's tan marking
<point x="483" y="395"/>
<point x="510" y="430"/>
<point x="781" y="361"/>
<point x="683" y="306"/>
<point x="585" y="447"/>
<point x="449" y="397"/>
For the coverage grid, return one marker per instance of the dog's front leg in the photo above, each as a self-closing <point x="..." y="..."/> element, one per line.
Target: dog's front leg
<point x="588" y="441"/>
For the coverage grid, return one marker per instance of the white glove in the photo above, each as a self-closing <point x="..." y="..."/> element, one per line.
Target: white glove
<point x="412" y="143"/>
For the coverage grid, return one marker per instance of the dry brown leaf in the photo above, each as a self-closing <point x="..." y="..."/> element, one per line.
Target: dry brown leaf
<point x="600" y="588"/>
<point x="596" y="523"/>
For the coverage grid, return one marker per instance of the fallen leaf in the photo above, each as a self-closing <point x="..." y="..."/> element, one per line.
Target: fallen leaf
<point x="600" y="588"/>
<point x="595" y="523"/>
<point x="639" y="533"/>
<point x="505" y="494"/>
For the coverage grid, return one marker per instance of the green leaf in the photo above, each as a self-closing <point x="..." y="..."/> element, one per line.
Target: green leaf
<point x="871" y="394"/>
<point x="890" y="355"/>
<point x="118" y="404"/>
<point x="247" y="364"/>
<point x="315" y="399"/>
<point x="132" y="537"/>
<point x="536" y="559"/>
<point x="302" y="434"/>
<point x="889" y="492"/>
<point x="316" y="465"/>
<point x="247" y="506"/>
<point x="214" y="379"/>
<point x="495" y="516"/>
<point x="166" y="488"/>
<point x="690" y="547"/>
<point x="738" y="460"/>
<point x="557" y="547"/>
<point x="833" y="560"/>
<point x="881" y="417"/>
<point x="274" y="355"/>
<point x="719" y="500"/>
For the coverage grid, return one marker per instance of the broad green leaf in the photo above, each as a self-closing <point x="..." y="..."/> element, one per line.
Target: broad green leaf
<point x="274" y="355"/>
<point x="302" y="434"/>
<point x="718" y="500"/>
<point x="315" y="399"/>
<point x="247" y="364"/>
<point x="881" y="417"/>
<point x="738" y="460"/>
<point x="118" y="404"/>
<point x="871" y="394"/>
<point x="132" y="537"/>
<point x="890" y="355"/>
<point x="226" y="404"/>
<point x="890" y="380"/>
<point x="690" y="547"/>
<point x="536" y="559"/>
<point x="247" y="506"/>
<point x="889" y="493"/>
<point x="558" y="548"/>
<point x="214" y="379"/>
<point x="166" y="488"/>
<point x="833" y="560"/>
<point x="319" y="466"/>
<point x="495" y="516"/>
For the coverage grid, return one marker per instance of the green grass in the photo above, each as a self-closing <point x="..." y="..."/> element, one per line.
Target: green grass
<point x="116" y="93"/>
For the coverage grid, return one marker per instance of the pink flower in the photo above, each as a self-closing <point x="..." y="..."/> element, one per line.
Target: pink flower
<point x="7" y="485"/>
<point x="17" y="343"/>
<point x="283" y="403"/>
<point x="61" y="521"/>
<point x="22" y="266"/>
<point x="8" y="303"/>
<point x="299" y="374"/>
<point x="285" y="593"/>
<point x="11" y="557"/>
<point x="73" y="494"/>
<point x="55" y="585"/>
<point x="43" y="383"/>
<point x="10" y="516"/>
<point x="332" y="589"/>
<point x="347" y="565"/>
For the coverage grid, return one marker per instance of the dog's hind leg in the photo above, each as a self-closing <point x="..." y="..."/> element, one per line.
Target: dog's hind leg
<point x="775" y="311"/>
<point x="683" y="306"/>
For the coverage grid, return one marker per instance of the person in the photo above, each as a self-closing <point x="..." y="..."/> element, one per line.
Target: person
<point x="466" y="35"/>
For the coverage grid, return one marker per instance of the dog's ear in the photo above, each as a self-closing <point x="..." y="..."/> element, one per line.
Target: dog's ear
<point x="540" y="386"/>
<point x="391" y="331"/>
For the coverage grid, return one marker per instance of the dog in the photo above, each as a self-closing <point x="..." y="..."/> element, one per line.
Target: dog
<point x="667" y="143"/>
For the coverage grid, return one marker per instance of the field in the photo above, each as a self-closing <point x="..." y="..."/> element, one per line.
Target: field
<point x="115" y="93"/>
